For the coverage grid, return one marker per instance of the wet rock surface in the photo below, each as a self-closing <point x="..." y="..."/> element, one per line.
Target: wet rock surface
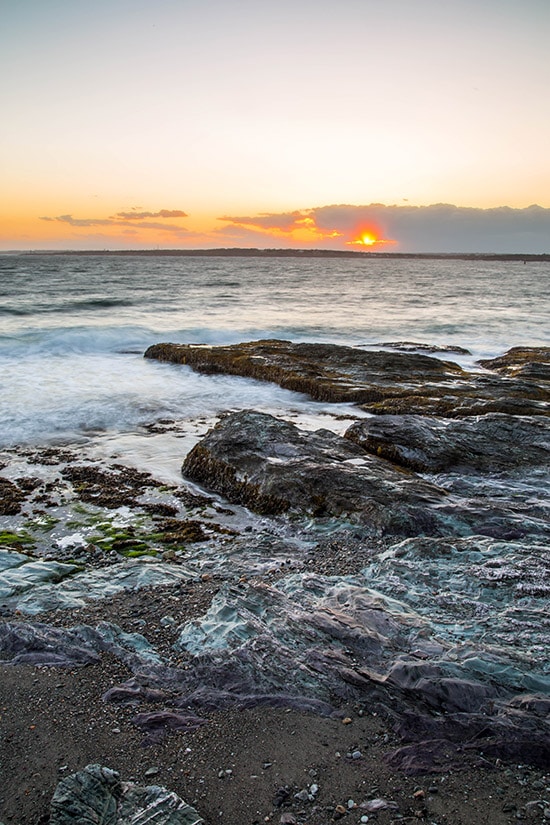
<point x="273" y="467"/>
<point x="489" y="443"/>
<point x="381" y="382"/>
<point x="518" y="362"/>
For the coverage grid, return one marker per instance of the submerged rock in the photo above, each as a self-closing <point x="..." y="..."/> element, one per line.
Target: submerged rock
<point x="273" y="467"/>
<point x="380" y="381"/>
<point x="413" y="346"/>
<point x="97" y="795"/>
<point x="488" y="443"/>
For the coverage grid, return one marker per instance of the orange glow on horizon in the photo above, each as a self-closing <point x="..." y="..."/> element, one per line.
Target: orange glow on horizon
<point x="369" y="236"/>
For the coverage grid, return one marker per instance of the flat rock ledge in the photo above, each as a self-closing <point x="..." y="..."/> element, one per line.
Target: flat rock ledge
<point x="379" y="381"/>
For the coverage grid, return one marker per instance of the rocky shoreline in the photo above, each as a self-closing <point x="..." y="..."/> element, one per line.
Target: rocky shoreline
<point x="383" y="590"/>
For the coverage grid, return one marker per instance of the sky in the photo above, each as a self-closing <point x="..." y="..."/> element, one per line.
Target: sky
<point x="372" y="125"/>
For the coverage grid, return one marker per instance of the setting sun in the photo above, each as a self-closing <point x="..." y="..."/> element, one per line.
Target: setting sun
<point x="367" y="239"/>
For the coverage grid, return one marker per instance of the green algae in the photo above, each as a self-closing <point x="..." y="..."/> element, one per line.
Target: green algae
<point x="44" y="523"/>
<point x="8" y="538"/>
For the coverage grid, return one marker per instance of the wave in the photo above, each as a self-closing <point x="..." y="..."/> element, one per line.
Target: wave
<point x="68" y="306"/>
<point x="103" y="339"/>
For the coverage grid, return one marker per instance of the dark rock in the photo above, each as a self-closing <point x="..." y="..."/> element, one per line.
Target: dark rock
<point x="522" y="362"/>
<point x="488" y="443"/>
<point x="327" y="372"/>
<point x="11" y="498"/>
<point x="97" y="795"/>
<point x="273" y="467"/>
<point x="381" y="382"/>
<point x="158" y="723"/>
<point x="182" y="531"/>
<point x="40" y="644"/>
<point x="412" y="346"/>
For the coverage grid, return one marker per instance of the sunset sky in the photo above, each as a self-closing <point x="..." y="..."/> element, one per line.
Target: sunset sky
<point x="402" y="125"/>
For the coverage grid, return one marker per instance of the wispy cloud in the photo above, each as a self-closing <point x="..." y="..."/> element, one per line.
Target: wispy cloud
<point x="133" y="219"/>
<point x="282" y="221"/>
<point x="135" y="215"/>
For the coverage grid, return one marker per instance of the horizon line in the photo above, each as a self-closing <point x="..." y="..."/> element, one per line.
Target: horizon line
<point x="283" y="252"/>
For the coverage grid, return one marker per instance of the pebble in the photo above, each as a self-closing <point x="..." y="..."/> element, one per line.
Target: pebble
<point x="151" y="771"/>
<point x="364" y="818"/>
<point x="351" y="804"/>
<point x="302" y="796"/>
<point x="356" y="754"/>
<point x="347" y="721"/>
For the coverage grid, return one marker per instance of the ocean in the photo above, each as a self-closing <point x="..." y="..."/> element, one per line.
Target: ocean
<point x="73" y="330"/>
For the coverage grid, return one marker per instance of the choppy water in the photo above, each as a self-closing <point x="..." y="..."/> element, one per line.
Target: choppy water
<point x="73" y="328"/>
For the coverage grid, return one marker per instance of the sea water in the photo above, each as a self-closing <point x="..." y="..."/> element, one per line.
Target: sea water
<point x="73" y="329"/>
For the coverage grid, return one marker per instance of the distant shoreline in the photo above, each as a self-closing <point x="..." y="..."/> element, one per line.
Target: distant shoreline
<point x="291" y="253"/>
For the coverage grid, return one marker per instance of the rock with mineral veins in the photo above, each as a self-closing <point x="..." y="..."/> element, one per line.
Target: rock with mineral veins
<point x="97" y="794"/>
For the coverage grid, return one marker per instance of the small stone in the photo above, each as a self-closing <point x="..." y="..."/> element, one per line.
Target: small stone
<point x="151" y="771"/>
<point x="347" y="721"/>
<point x="364" y="818"/>
<point x="356" y="754"/>
<point x="314" y="789"/>
<point x="351" y="804"/>
<point x="420" y="794"/>
<point x="302" y="796"/>
<point x="339" y="812"/>
<point x="288" y="819"/>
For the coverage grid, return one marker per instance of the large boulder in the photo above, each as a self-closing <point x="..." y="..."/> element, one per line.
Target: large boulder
<point x="272" y="467"/>
<point x="489" y="443"/>
<point x="381" y="382"/>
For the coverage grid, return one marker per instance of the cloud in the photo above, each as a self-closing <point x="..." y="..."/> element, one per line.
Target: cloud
<point x="283" y="221"/>
<point x="439" y="227"/>
<point x="297" y="227"/>
<point x="135" y="220"/>
<point x="163" y="213"/>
